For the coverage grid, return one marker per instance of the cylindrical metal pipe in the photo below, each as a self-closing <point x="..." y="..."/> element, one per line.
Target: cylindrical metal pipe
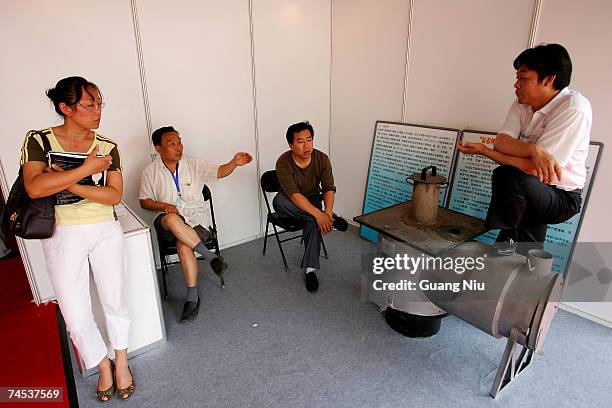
<point x="424" y="208"/>
<point x="509" y="296"/>
<point x="425" y="198"/>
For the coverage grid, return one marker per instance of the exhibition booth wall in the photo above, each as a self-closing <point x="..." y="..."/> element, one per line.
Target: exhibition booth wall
<point x="231" y="76"/>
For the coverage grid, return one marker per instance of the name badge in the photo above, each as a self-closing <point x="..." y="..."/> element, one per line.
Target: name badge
<point x="179" y="204"/>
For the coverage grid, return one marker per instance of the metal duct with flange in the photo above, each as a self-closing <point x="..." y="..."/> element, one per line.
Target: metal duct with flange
<point x="503" y="294"/>
<point x="504" y="297"/>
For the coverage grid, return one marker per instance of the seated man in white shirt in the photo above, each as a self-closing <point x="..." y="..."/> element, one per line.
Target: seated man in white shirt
<point x="542" y="149"/>
<point x="172" y="185"/>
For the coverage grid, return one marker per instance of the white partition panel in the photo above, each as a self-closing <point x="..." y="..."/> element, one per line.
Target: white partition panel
<point x="589" y="43"/>
<point x="292" y="61"/>
<point x="368" y="66"/>
<point x="461" y="55"/>
<point x="42" y="42"/>
<point x="197" y="58"/>
<point x="584" y="29"/>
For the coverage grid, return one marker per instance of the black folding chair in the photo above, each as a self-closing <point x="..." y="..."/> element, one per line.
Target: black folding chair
<point x="167" y="248"/>
<point x="269" y="184"/>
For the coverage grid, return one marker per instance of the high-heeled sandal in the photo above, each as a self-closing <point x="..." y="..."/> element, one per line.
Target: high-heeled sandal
<point x="109" y="392"/>
<point x="129" y="390"/>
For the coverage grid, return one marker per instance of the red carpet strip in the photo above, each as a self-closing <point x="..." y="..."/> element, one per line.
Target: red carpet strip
<point x="30" y="353"/>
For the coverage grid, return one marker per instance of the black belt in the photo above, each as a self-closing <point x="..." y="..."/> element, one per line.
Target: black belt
<point x="577" y="190"/>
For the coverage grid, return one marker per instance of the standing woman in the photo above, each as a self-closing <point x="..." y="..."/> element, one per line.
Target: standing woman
<point x="87" y="233"/>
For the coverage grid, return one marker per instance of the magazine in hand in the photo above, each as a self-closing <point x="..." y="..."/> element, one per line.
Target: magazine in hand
<point x="67" y="161"/>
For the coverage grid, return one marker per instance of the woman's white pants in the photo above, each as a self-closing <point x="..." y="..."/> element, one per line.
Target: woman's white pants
<point x="69" y="254"/>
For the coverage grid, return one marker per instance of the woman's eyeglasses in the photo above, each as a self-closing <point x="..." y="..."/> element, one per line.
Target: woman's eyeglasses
<point x="93" y="106"/>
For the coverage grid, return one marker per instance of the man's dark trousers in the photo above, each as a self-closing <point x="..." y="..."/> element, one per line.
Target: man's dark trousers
<point x="523" y="204"/>
<point x="312" y="236"/>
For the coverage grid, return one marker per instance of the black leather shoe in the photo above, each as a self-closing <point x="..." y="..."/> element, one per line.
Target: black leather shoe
<point x="212" y="237"/>
<point x="340" y="223"/>
<point x="218" y="265"/>
<point x="505" y="248"/>
<point x="312" y="283"/>
<point x="190" y="311"/>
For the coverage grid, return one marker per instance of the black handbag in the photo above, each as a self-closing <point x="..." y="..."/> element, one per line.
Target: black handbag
<point x="30" y="218"/>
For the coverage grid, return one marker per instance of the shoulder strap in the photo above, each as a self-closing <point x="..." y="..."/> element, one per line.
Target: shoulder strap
<point x="45" y="140"/>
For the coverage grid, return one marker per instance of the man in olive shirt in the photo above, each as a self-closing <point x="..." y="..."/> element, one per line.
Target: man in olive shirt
<point x="306" y="181"/>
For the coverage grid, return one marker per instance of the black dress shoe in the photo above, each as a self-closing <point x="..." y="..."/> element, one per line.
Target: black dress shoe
<point x="190" y="311"/>
<point x="505" y="248"/>
<point x="340" y="223"/>
<point x="218" y="265"/>
<point x="212" y="237"/>
<point x="312" y="283"/>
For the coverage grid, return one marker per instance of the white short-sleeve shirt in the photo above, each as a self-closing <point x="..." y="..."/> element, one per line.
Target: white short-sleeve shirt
<point x="562" y="127"/>
<point x="157" y="183"/>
